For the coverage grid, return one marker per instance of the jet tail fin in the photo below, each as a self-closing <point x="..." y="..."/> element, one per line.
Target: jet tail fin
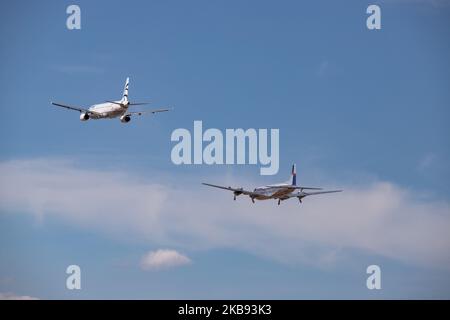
<point x="125" y="90"/>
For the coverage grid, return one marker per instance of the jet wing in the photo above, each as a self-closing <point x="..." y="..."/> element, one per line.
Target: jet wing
<point x="240" y="190"/>
<point x="74" y="108"/>
<point x="140" y="113"/>
<point x="129" y="103"/>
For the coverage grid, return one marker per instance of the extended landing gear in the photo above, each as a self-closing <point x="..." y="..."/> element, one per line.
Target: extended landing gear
<point x="279" y="201"/>
<point x="234" y="198"/>
<point x="253" y="200"/>
<point x="300" y="200"/>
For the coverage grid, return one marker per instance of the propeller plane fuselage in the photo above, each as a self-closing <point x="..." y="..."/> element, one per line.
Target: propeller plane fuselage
<point x="280" y="192"/>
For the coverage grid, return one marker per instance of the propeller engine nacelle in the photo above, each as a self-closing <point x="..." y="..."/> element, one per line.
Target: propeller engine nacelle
<point x="84" y="116"/>
<point x="237" y="193"/>
<point x="125" y="118"/>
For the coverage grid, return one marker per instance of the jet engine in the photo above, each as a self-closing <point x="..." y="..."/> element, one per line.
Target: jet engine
<point x="84" y="116"/>
<point x="125" y="118"/>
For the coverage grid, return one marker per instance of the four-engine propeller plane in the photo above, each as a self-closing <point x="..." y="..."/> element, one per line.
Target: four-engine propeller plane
<point x="280" y="191"/>
<point x="111" y="109"/>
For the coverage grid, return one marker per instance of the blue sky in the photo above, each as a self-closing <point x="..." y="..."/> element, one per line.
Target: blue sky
<point x="358" y="109"/>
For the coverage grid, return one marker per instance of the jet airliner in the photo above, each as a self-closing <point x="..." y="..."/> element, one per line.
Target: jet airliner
<point x="280" y="191"/>
<point x="111" y="109"/>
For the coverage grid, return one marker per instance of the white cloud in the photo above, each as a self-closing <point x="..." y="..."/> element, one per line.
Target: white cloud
<point x="163" y="259"/>
<point x="12" y="296"/>
<point x="378" y="218"/>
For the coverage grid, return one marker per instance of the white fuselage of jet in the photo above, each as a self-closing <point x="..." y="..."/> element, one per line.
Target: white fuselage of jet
<point x="111" y="109"/>
<point x="106" y="110"/>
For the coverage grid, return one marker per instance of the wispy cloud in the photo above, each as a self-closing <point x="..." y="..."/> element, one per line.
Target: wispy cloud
<point x="377" y="218"/>
<point x="163" y="259"/>
<point x="12" y="296"/>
